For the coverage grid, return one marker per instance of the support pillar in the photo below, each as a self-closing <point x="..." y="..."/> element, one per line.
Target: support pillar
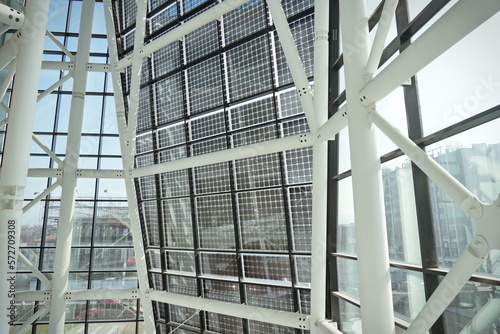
<point x="377" y="313"/>
<point x="70" y="165"/>
<point x="320" y="166"/>
<point x="127" y="152"/>
<point x="17" y="151"/>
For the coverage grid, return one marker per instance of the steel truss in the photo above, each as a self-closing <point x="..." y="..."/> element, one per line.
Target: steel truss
<point x="359" y="115"/>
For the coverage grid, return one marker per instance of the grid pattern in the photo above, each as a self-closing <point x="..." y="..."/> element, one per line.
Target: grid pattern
<point x="102" y="254"/>
<point x="237" y="231"/>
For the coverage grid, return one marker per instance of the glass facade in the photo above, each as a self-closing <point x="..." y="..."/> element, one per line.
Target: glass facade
<point x="452" y="113"/>
<point x="236" y="231"/>
<point x="240" y="231"/>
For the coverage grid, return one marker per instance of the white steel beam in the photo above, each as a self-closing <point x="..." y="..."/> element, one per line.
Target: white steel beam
<point x="38" y="314"/>
<point x="326" y="327"/>
<point x="128" y="163"/>
<point x="61" y="46"/>
<point x="34" y="270"/>
<point x="33" y="295"/>
<point x="384" y="24"/>
<point x="455" y="24"/>
<point x="320" y="166"/>
<point x="47" y="150"/>
<point x="96" y="294"/>
<point x="9" y="50"/>
<point x="289" y="319"/>
<point x="485" y="319"/>
<point x="4" y="29"/>
<point x="68" y="185"/>
<point x="242" y="152"/>
<point x="70" y="66"/>
<point x="54" y="86"/>
<point x="11" y="16"/>
<point x="17" y="151"/>
<point x="45" y="172"/>
<point x="486" y="217"/>
<point x="8" y="79"/>
<point x="377" y="313"/>
<point x="294" y="62"/>
<point x="4" y="122"/>
<point x="211" y="14"/>
<point x="334" y="125"/>
<point x="41" y="196"/>
<point x="136" y="71"/>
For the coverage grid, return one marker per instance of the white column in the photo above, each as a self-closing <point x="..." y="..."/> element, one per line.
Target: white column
<point x="17" y="150"/>
<point x="371" y="236"/>
<point x="320" y="165"/>
<point x="70" y="165"/>
<point x="128" y="162"/>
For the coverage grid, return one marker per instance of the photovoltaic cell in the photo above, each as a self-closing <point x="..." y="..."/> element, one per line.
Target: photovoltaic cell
<point x="170" y="100"/>
<point x="149" y="213"/>
<point x="249" y="68"/>
<point x="202" y="41"/>
<point x="258" y="172"/>
<point x="219" y="265"/>
<point x="267" y="268"/>
<point x="300" y="199"/>
<point x="244" y="20"/>
<point x="262" y="219"/>
<point x="171" y="135"/>
<point x="295" y="7"/>
<point x="207" y="125"/>
<point x="216" y="227"/>
<point x="167" y="59"/>
<point x="225" y="291"/>
<point x="253" y="113"/>
<point x="220" y="323"/>
<point x="178" y="228"/>
<point x="164" y="17"/>
<point x="212" y="178"/>
<point x="205" y="85"/>
<point x="175" y="184"/>
<point x="180" y="262"/>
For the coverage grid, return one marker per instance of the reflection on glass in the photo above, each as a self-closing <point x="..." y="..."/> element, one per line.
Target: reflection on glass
<point x="477" y="308"/>
<point x="113" y="258"/>
<point x="350" y="318"/>
<point x="400" y="211"/>
<point x="472" y="157"/>
<point x="347" y="273"/>
<point x="408" y="294"/>
<point x="346" y="238"/>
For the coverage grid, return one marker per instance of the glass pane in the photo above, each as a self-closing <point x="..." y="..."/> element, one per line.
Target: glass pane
<point x="408" y="293"/>
<point x="447" y="95"/>
<point x="262" y="220"/>
<point x="350" y="318"/>
<point x="471" y="158"/>
<point x="216" y="227"/>
<point x="267" y="268"/>
<point x="474" y="309"/>
<point x="180" y="261"/>
<point x="112" y="224"/>
<point x="219" y="264"/>
<point x="346" y="238"/>
<point x="347" y="274"/>
<point x="113" y="258"/>
<point x="400" y="211"/>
